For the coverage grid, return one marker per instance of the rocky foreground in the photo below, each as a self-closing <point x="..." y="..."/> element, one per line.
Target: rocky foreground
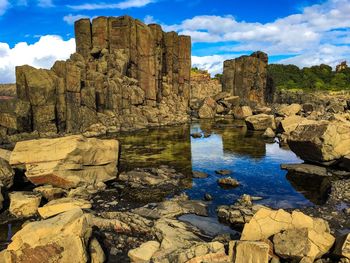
<point x="66" y="211"/>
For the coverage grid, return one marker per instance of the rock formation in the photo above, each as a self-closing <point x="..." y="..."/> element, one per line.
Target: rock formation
<point x="246" y="77"/>
<point x="124" y="75"/>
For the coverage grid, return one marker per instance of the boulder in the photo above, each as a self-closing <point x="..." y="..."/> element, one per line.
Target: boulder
<point x="228" y="182"/>
<point x="267" y="222"/>
<point x="58" y="239"/>
<point x="290" y="123"/>
<point x="269" y="133"/>
<point x="240" y="113"/>
<point x="249" y="252"/>
<point x="59" y="206"/>
<point x="208" y="109"/>
<point x="67" y="162"/>
<point x="6" y="173"/>
<point x="260" y="122"/>
<point x="321" y="141"/>
<point x="302" y="243"/>
<point x="24" y="204"/>
<point x="144" y="252"/>
<point x="289" y="110"/>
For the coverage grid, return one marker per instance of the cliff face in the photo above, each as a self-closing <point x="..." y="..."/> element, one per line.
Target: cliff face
<point x="246" y="77"/>
<point x="203" y="86"/>
<point x="125" y="75"/>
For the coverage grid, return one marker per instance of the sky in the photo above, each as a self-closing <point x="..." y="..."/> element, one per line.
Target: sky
<point x="300" y="32"/>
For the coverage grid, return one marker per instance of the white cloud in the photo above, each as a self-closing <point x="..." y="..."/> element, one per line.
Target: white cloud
<point x="70" y="19"/>
<point x="45" y="3"/>
<point x="121" y="5"/>
<point x="4" y="5"/>
<point x="319" y="34"/>
<point x="212" y="64"/>
<point x="149" y="20"/>
<point x="41" y="54"/>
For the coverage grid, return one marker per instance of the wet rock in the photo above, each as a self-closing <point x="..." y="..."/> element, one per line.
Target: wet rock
<point x="96" y="252"/>
<point x="239" y="213"/>
<point x="151" y="177"/>
<point x="24" y="204"/>
<point x="309" y="169"/>
<point x="260" y="122"/>
<point x="6" y="173"/>
<point x="61" y="238"/>
<point x="240" y="113"/>
<point x="208" y="197"/>
<point x="248" y="252"/>
<point x="67" y="162"/>
<point x="196" y="135"/>
<point x="197" y="174"/>
<point x="172" y="208"/>
<point x="223" y="172"/>
<point x="266" y="223"/>
<point x="59" y="206"/>
<point x="228" y="182"/>
<point x="144" y="253"/>
<point x="321" y="141"/>
<point x="49" y="192"/>
<point x="269" y="133"/>
<point x="342" y="247"/>
<point x="302" y="243"/>
<point x="289" y="110"/>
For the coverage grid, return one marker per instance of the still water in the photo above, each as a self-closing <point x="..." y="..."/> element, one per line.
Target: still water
<point x="254" y="162"/>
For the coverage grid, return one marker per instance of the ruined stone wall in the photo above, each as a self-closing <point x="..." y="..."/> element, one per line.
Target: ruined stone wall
<point x="246" y="77"/>
<point x="124" y="75"/>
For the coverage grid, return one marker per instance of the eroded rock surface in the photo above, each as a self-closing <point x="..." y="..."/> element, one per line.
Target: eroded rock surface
<point x="68" y="161"/>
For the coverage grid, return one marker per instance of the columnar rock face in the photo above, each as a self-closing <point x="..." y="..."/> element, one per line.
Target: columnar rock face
<point x="246" y="77"/>
<point x="124" y="75"/>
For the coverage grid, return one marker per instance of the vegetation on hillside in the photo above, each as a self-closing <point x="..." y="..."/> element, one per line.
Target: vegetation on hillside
<point x="320" y="77"/>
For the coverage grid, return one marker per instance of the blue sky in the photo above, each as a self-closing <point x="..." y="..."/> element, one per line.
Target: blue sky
<point x="309" y="32"/>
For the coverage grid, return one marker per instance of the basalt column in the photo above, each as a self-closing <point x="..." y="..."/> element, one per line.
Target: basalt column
<point x="246" y="77"/>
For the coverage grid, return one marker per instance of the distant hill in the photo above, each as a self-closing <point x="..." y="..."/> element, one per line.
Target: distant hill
<point x="320" y="77"/>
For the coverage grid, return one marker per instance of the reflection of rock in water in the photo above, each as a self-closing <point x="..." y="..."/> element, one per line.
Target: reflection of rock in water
<point x="314" y="188"/>
<point x="154" y="147"/>
<point x="243" y="142"/>
<point x="236" y="138"/>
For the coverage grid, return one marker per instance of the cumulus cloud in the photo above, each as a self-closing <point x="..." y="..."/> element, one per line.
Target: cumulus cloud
<point x="149" y="20"/>
<point x="70" y="19"/>
<point x="121" y="5"/>
<point x="41" y="54"/>
<point x="319" y="34"/>
<point x="212" y="64"/>
<point x="4" y="5"/>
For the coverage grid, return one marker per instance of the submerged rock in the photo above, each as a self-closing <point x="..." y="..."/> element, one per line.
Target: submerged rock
<point x="223" y="172"/>
<point x="228" y="181"/>
<point x="197" y="174"/>
<point x="67" y="162"/>
<point x="24" y="204"/>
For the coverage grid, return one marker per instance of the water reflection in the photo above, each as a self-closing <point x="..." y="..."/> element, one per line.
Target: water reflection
<point x="255" y="163"/>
